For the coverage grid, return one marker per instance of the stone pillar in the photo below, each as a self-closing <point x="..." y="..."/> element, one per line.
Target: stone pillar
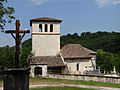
<point x="44" y="70"/>
<point x="48" y="27"/>
<point x="16" y="79"/>
<point x="43" y="27"/>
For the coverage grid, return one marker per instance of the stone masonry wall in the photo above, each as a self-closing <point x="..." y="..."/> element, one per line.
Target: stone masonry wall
<point x="86" y="78"/>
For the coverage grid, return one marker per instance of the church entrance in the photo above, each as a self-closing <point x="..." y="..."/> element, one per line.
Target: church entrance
<point x="38" y="71"/>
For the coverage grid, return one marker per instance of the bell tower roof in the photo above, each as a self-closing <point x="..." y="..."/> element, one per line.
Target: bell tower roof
<point x="44" y="19"/>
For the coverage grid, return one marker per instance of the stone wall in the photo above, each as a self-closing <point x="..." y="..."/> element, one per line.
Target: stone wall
<point x="86" y="78"/>
<point x="44" y="70"/>
<point x="83" y="65"/>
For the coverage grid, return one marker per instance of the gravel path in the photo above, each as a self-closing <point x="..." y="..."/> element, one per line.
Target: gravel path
<point x="72" y="85"/>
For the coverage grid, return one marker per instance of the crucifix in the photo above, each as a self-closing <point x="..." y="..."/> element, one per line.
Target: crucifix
<point x="18" y="39"/>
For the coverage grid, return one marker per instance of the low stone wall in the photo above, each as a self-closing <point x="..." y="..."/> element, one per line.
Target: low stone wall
<point x="86" y="78"/>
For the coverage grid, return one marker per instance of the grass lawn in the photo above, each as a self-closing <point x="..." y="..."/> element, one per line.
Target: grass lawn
<point x="38" y="80"/>
<point x="50" y="80"/>
<point x="61" y="88"/>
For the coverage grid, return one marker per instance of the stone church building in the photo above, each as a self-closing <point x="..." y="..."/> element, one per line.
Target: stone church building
<point x="48" y="58"/>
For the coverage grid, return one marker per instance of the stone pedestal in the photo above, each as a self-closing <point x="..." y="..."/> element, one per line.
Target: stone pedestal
<point x="16" y="79"/>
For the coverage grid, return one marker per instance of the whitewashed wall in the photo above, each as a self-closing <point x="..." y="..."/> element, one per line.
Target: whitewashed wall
<point x="84" y="64"/>
<point x="45" y="43"/>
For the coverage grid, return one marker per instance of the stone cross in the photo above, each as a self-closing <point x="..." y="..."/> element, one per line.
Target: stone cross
<point x="18" y="39"/>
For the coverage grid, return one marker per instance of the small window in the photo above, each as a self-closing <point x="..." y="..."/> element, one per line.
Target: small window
<point x="38" y="71"/>
<point x="40" y="27"/>
<point x="46" y="27"/>
<point x="51" y="27"/>
<point x="77" y="66"/>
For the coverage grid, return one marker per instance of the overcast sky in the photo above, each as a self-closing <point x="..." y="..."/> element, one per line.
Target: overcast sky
<point x="77" y="15"/>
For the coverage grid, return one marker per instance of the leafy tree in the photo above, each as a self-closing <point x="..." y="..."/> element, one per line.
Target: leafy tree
<point x="6" y="57"/>
<point x="116" y="61"/>
<point x="26" y="49"/>
<point x="107" y="41"/>
<point x="104" y="61"/>
<point x="5" y="14"/>
<point x="24" y="57"/>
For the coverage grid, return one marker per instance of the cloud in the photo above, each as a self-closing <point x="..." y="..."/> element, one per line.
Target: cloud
<point x="38" y="2"/>
<point x="103" y="3"/>
<point x="100" y="3"/>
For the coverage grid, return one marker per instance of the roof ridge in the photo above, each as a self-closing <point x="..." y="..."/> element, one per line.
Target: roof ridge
<point x="41" y="18"/>
<point x="45" y="19"/>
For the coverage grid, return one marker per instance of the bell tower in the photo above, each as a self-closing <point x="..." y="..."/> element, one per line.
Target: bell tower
<point x="45" y="36"/>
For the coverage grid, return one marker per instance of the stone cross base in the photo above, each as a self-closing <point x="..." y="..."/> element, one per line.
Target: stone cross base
<point x="16" y="79"/>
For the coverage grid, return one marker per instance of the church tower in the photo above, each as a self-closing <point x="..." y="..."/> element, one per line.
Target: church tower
<point x="45" y="36"/>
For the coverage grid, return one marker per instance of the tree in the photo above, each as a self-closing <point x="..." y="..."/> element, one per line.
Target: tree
<point x="104" y="60"/>
<point x="5" y="14"/>
<point x="6" y="57"/>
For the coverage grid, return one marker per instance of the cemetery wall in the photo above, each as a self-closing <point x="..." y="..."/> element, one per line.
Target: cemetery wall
<point x="107" y="79"/>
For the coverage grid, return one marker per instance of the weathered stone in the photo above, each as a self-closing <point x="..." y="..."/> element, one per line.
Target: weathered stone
<point x="107" y="79"/>
<point x="16" y="79"/>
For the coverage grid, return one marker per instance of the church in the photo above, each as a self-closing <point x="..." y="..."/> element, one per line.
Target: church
<point x="48" y="58"/>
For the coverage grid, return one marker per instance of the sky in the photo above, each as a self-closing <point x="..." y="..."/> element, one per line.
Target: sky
<point x="78" y="16"/>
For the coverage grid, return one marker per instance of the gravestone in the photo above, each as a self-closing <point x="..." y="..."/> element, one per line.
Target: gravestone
<point x="16" y="79"/>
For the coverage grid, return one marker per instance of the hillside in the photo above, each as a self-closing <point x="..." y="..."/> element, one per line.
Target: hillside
<point x="106" y="44"/>
<point x="107" y="41"/>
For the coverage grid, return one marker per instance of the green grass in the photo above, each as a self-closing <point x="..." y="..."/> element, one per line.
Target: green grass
<point x="56" y="81"/>
<point x="93" y="83"/>
<point x="61" y="88"/>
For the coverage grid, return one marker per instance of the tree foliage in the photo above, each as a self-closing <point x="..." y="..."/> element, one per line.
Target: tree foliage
<point x="104" y="61"/>
<point x="107" y="41"/>
<point x="7" y="57"/>
<point x="25" y="52"/>
<point x="5" y="14"/>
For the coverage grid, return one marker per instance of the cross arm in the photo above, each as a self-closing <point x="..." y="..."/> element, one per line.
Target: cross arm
<point x="20" y="31"/>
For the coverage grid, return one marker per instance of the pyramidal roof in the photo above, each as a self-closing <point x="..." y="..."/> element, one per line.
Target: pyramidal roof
<point x="45" y="19"/>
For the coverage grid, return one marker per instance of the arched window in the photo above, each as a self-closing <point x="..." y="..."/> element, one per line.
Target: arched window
<point x="40" y="27"/>
<point x="77" y="66"/>
<point x="51" y="27"/>
<point x="46" y="27"/>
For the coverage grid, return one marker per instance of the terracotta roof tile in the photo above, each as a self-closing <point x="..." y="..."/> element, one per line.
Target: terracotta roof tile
<point x="50" y="61"/>
<point x="46" y="19"/>
<point x="76" y="51"/>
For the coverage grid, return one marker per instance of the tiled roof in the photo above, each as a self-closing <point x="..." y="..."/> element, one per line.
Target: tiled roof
<point x="76" y="51"/>
<point x="50" y="61"/>
<point x="46" y="19"/>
